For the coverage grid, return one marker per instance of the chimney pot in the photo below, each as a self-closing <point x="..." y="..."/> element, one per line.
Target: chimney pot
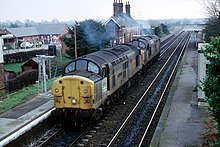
<point x="127" y="9"/>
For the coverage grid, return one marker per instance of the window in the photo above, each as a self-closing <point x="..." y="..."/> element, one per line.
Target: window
<point x="70" y="67"/>
<point x="81" y="65"/>
<point x="141" y="44"/>
<point x="124" y="74"/>
<point x="137" y="61"/>
<point x="113" y="81"/>
<point x="120" y="74"/>
<point x="148" y="47"/>
<point x="150" y="51"/>
<point x="124" y="66"/>
<point x="93" y="68"/>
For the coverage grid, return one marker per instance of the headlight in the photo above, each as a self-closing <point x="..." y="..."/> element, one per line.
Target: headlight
<point x="56" y="90"/>
<point x="74" y="101"/>
<point x="85" y="91"/>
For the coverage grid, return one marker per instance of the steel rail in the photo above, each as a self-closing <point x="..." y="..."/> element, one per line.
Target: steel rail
<point x="163" y="51"/>
<point x="116" y="134"/>
<point x="171" y="39"/>
<point x="78" y="138"/>
<point x="168" y="82"/>
<point x="40" y="143"/>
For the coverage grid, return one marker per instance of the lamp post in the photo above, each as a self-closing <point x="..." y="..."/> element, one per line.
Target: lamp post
<point x="75" y="41"/>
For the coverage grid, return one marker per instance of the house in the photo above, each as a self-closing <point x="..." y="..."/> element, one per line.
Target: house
<point x="64" y="46"/>
<point x="122" y="26"/>
<point x="47" y="33"/>
<point x="20" y="35"/>
<point x="2" y="32"/>
<point x="50" y="33"/>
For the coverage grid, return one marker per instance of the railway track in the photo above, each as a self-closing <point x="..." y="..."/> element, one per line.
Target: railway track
<point x="130" y="121"/>
<point x="60" y="137"/>
<point x="125" y="127"/>
<point x="169" y="43"/>
<point x="78" y="138"/>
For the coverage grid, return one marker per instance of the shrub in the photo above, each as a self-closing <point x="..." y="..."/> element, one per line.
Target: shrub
<point x="23" y="80"/>
<point x="211" y="84"/>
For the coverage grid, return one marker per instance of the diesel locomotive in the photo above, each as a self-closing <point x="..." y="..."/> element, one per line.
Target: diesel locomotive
<point x="89" y="82"/>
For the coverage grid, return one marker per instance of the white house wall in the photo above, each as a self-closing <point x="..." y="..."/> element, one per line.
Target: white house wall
<point x="202" y="62"/>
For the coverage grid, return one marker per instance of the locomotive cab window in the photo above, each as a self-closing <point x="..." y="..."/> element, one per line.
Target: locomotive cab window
<point x="93" y="68"/>
<point x="81" y="65"/>
<point x="70" y="67"/>
<point x="142" y="45"/>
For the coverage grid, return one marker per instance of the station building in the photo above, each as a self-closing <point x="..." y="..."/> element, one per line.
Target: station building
<point x="121" y="26"/>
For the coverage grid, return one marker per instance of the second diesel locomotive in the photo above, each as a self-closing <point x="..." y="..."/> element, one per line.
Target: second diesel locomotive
<point x="90" y="81"/>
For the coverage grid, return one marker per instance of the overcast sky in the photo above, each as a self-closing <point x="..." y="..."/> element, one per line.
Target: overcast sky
<point x="65" y="10"/>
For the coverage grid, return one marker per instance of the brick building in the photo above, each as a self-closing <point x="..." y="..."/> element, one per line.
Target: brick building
<point x="122" y="26"/>
<point x="47" y="33"/>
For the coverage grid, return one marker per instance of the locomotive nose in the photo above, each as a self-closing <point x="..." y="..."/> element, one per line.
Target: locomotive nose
<point x="73" y="92"/>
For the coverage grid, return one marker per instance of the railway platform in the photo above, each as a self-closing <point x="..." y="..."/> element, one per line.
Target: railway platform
<point x="182" y="121"/>
<point x="22" y="115"/>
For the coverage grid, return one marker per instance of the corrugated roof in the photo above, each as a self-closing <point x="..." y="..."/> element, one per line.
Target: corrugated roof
<point x="24" y="31"/>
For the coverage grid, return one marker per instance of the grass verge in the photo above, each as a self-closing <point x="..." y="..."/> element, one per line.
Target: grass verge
<point x="16" y="67"/>
<point x="11" y="100"/>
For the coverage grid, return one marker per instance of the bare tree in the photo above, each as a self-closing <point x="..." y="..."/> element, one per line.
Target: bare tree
<point x="212" y="8"/>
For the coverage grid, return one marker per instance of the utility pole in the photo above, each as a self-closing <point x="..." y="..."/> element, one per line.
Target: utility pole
<point x="75" y="25"/>
<point x="75" y="41"/>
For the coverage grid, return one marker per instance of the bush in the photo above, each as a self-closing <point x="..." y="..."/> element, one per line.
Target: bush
<point x="23" y="80"/>
<point x="211" y="85"/>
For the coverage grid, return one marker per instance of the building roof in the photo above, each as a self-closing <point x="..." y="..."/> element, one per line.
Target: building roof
<point x="123" y="20"/>
<point x="34" y="59"/>
<point x="24" y="31"/>
<point x="45" y="29"/>
<point x="2" y="32"/>
<point x="42" y="29"/>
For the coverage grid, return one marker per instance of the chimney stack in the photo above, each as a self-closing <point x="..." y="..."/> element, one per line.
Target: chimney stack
<point x="127" y="9"/>
<point x="115" y="8"/>
<point x="120" y="7"/>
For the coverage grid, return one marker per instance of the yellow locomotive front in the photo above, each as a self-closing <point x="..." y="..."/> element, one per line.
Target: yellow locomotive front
<point x="73" y="92"/>
<point x="75" y="97"/>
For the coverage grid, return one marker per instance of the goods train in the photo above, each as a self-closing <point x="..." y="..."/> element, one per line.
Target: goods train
<point x="91" y="81"/>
